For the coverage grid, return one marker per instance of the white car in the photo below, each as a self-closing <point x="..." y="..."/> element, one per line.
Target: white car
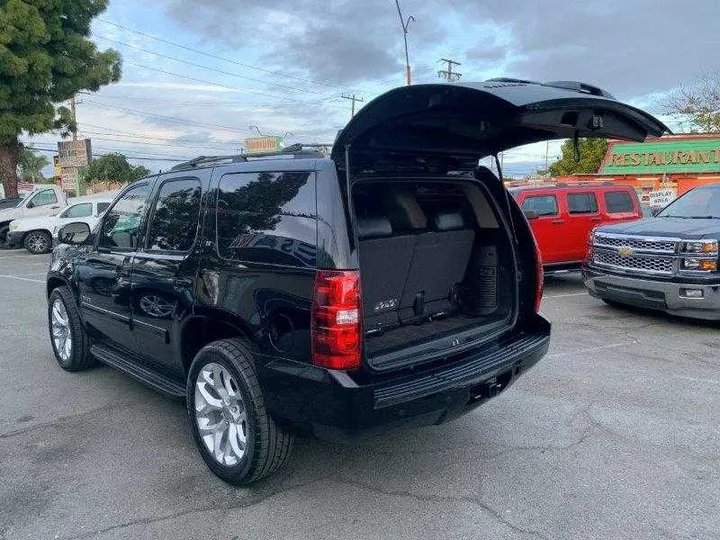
<point x="36" y="233"/>
<point x="46" y="199"/>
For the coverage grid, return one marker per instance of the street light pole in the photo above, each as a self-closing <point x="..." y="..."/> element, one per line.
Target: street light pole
<point x="405" y="23"/>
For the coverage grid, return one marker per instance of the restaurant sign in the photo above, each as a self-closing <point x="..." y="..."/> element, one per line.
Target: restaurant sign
<point x="671" y="156"/>
<point x="259" y="145"/>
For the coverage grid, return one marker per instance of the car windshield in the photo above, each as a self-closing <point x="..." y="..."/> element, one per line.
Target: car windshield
<point x="700" y="203"/>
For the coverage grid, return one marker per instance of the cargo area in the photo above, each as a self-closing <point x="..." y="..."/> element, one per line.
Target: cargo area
<point x="436" y="267"/>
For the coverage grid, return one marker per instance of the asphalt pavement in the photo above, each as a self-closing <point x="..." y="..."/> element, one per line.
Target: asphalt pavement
<point x="615" y="434"/>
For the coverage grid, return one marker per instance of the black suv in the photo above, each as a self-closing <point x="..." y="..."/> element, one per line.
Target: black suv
<point x="395" y="283"/>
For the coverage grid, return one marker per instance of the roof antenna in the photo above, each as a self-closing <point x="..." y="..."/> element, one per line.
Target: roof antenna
<point x="576" y="146"/>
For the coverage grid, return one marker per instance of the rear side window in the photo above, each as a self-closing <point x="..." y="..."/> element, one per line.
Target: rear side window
<point x="175" y="219"/>
<point x="542" y="205"/>
<point x="582" y="203"/>
<point x="618" y="201"/>
<point x="268" y="217"/>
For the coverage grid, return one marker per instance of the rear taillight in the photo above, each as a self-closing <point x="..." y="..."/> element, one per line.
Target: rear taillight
<point x="539" y="278"/>
<point x="336" y="319"/>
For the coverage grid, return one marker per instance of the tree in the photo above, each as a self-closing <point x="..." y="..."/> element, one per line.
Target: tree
<point x="46" y="57"/>
<point x="31" y="166"/>
<point x="113" y="168"/>
<point x="699" y="103"/>
<point x="592" y="152"/>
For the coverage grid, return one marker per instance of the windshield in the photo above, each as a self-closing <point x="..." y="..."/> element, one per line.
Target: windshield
<point x="699" y="203"/>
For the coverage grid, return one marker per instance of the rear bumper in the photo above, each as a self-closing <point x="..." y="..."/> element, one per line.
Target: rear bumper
<point x="333" y="406"/>
<point x="662" y="295"/>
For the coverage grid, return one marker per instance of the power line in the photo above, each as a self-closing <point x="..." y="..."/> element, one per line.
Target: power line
<point x="176" y="59"/>
<point x="217" y="57"/>
<point x="171" y="140"/>
<point x="149" y="157"/>
<point x="171" y="118"/>
<point x="213" y="83"/>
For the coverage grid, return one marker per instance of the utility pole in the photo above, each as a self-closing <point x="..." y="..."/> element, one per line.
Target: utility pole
<point x="448" y="74"/>
<point x="547" y="151"/>
<point x="353" y="99"/>
<point x="405" y="23"/>
<point x="73" y="110"/>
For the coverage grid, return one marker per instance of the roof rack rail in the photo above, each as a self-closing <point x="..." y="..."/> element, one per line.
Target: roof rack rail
<point x="203" y="160"/>
<point x="295" y="150"/>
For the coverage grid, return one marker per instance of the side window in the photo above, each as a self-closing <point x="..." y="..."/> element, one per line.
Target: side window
<point x="543" y="205"/>
<point x="43" y="198"/>
<point x="175" y="219"/>
<point x="78" y="211"/>
<point x="618" y="201"/>
<point x="582" y="203"/>
<point x="121" y="226"/>
<point x="101" y="207"/>
<point x="268" y="217"/>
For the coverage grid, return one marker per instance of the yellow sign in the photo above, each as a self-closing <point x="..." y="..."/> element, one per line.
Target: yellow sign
<point x="259" y="145"/>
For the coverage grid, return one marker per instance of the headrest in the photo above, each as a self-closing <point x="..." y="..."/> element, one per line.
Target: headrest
<point x="373" y="227"/>
<point x="448" y="222"/>
<point x="404" y="211"/>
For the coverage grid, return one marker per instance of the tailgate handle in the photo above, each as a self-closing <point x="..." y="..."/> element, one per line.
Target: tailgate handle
<point x="597" y="218"/>
<point x="557" y="221"/>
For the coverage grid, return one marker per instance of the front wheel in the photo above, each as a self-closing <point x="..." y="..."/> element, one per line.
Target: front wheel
<point x="67" y="335"/>
<point x="38" y="242"/>
<point x="232" y="429"/>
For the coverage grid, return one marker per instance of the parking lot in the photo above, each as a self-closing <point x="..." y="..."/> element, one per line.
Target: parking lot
<point x="615" y="434"/>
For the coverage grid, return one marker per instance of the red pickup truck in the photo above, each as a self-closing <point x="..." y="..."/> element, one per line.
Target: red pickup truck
<point x="562" y="215"/>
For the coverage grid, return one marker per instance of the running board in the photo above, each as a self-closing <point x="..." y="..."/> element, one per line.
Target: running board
<point x="156" y="381"/>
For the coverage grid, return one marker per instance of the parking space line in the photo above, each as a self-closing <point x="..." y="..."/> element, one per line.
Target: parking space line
<point x="22" y="278"/>
<point x="566" y="295"/>
<point x="589" y="349"/>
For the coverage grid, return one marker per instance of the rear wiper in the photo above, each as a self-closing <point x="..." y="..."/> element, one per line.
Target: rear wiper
<point x="681" y="217"/>
<point x="703" y="217"/>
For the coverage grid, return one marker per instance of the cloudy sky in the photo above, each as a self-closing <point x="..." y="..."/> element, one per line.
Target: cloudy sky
<point x="198" y="74"/>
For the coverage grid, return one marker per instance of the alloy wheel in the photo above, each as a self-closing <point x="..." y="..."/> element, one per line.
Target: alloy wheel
<point x="37" y="243"/>
<point x="61" y="332"/>
<point x="220" y="414"/>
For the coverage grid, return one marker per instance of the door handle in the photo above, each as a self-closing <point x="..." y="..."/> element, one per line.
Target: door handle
<point x="557" y="221"/>
<point x="597" y="218"/>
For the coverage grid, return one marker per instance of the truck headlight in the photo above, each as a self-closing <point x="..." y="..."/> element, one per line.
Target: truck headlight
<point x="703" y="265"/>
<point x="14" y="227"/>
<point x="700" y="246"/>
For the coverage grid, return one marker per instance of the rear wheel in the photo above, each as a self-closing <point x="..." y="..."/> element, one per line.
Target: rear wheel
<point x="236" y="437"/>
<point x="38" y="242"/>
<point x="67" y="335"/>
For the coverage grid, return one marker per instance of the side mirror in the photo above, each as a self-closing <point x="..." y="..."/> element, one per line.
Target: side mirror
<point x="530" y="214"/>
<point x="74" y="234"/>
<point x="30" y="204"/>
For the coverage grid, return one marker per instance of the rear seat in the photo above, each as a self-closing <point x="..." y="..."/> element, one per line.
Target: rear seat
<point x="384" y="263"/>
<point x="440" y="259"/>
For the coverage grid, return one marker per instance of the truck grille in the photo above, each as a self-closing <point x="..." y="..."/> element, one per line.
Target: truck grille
<point x="655" y="265"/>
<point x="651" y="245"/>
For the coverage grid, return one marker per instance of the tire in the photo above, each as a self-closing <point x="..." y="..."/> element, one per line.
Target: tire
<point x="38" y="242"/>
<point x="266" y="447"/>
<point x="77" y="356"/>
